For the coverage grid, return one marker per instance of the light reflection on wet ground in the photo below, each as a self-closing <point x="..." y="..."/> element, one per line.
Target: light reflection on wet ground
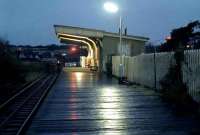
<point x="85" y="103"/>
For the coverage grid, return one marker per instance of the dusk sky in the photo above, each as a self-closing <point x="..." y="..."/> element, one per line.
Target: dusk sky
<point x="31" y="21"/>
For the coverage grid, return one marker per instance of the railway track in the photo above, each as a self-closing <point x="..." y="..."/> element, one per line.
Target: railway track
<point x="15" y="91"/>
<point x="16" y="113"/>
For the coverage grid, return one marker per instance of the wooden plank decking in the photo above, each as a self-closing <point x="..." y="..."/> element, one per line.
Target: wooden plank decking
<point x="89" y="104"/>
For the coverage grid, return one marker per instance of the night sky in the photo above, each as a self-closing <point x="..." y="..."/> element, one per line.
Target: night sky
<point x="31" y="21"/>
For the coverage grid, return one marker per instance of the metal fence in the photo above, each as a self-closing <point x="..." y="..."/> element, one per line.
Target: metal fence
<point x="191" y="72"/>
<point x="149" y="69"/>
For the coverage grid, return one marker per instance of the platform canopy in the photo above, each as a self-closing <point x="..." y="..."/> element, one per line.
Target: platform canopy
<point x="100" y="43"/>
<point x="93" y="33"/>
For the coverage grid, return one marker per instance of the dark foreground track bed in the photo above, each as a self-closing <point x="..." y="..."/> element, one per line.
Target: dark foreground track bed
<point x="18" y="110"/>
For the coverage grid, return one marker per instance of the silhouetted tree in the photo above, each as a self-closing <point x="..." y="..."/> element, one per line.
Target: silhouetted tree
<point x="173" y="87"/>
<point x="10" y="69"/>
<point x="181" y="36"/>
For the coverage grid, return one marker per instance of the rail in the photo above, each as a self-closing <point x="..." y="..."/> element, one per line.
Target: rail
<point x="15" y="114"/>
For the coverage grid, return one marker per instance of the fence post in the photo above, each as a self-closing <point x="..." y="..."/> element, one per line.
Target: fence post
<point x="155" y="75"/>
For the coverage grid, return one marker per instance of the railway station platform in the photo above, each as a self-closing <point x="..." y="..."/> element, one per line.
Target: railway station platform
<point x="89" y="104"/>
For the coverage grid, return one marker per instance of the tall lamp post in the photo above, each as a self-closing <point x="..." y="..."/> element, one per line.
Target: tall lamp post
<point x="113" y="8"/>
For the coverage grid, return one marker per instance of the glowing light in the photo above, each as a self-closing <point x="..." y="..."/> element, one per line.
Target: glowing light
<point x="111" y="109"/>
<point x="80" y="41"/>
<point x="113" y="114"/>
<point x="73" y="49"/>
<point x="64" y="54"/>
<point x="109" y="92"/>
<point x="81" y="37"/>
<point x="79" y="76"/>
<point x="91" y="44"/>
<point x="168" y="38"/>
<point x="111" y="7"/>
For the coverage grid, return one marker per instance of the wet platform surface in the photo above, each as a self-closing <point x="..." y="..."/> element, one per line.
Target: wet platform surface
<point x="89" y="104"/>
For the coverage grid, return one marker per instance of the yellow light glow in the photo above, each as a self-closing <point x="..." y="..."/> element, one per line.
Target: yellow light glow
<point x="79" y="76"/>
<point x="81" y="41"/>
<point x="86" y="38"/>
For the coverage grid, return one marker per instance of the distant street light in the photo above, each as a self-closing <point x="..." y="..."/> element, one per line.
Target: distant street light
<point x="113" y="8"/>
<point x="168" y="38"/>
<point x="188" y="46"/>
<point x="64" y="54"/>
<point x="73" y="49"/>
